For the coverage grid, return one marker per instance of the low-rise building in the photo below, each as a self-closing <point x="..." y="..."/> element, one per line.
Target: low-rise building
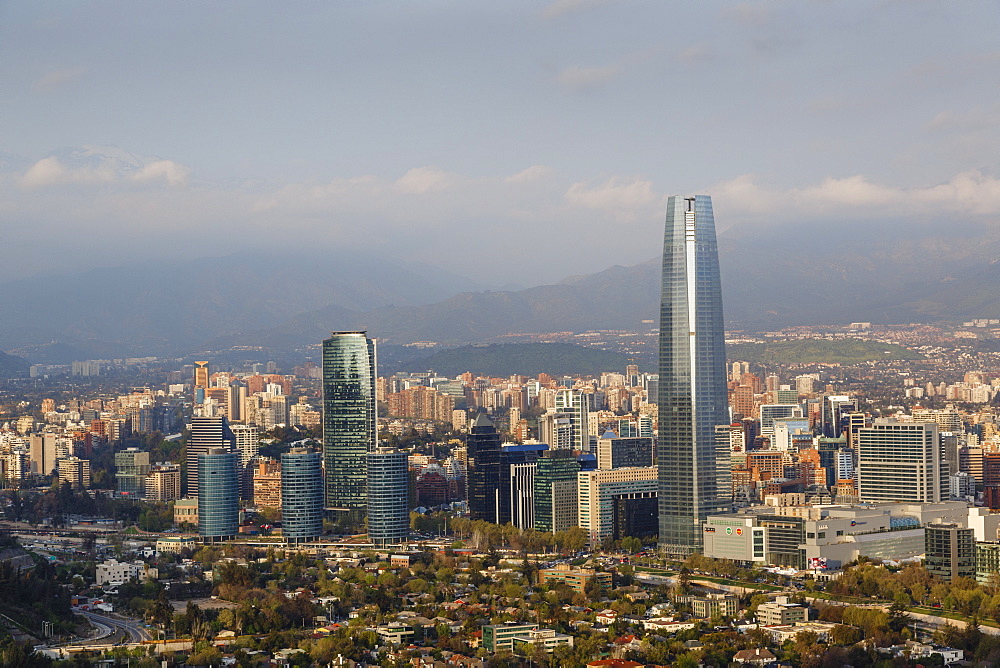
<point x="174" y="544"/>
<point x="781" y="611"/>
<point x="501" y="636"/>
<point x="186" y="512"/>
<point x="714" y="605"/>
<point x="547" y="639"/>
<point x="576" y="578"/>
<point x="113" y="570"/>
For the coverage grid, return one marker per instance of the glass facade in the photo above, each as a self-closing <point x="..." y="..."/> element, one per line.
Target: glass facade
<point x="301" y="495"/>
<point x="388" y="508"/>
<point x="349" y="421"/>
<point x="483" y="452"/>
<point x="555" y="511"/>
<point x="218" y="494"/>
<point x="206" y="433"/>
<point x="692" y="395"/>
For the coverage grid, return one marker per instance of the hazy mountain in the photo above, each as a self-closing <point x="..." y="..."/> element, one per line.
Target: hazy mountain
<point x="771" y="278"/>
<point x="524" y="358"/>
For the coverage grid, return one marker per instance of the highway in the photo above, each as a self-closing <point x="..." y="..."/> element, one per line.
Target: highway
<point x="128" y="630"/>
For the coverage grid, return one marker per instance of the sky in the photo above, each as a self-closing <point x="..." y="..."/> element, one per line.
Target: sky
<point x="532" y="140"/>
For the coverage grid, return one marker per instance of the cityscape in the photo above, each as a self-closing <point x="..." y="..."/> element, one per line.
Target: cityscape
<point x="584" y="333"/>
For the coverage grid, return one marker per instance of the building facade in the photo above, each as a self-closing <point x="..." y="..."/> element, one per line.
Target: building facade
<point x="349" y="422"/>
<point x="692" y="393"/>
<point x="218" y="495"/>
<point x="599" y="493"/>
<point x="388" y="495"/>
<point x="301" y="495"/>
<point x="901" y="461"/>
<point x="555" y="491"/>
<point x="483" y="454"/>
<point x="207" y="433"/>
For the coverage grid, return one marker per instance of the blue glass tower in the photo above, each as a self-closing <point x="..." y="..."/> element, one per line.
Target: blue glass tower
<point x="349" y="422"/>
<point x="388" y="494"/>
<point x="301" y="495"/>
<point x="693" y="468"/>
<point x="218" y="495"/>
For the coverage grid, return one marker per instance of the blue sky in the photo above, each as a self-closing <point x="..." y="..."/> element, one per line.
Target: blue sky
<point x="548" y="134"/>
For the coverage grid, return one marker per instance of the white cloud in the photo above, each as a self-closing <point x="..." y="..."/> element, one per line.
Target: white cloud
<point x="167" y="170"/>
<point x="50" y="171"/>
<point x="421" y="180"/>
<point x="626" y="199"/>
<point x="57" y="78"/>
<point x="531" y="174"/>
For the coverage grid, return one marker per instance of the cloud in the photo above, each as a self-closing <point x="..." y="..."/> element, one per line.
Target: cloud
<point x="57" y="78"/>
<point x="975" y="119"/>
<point x="50" y="171"/>
<point x="856" y="197"/>
<point x="530" y="175"/>
<point x="564" y="7"/>
<point x="624" y="198"/>
<point x="424" y="179"/>
<point x="167" y="170"/>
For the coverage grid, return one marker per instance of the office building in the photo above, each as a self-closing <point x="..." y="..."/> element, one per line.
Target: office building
<point x="247" y="441"/>
<point x="131" y="469"/>
<point x="901" y="461"/>
<point x="218" y="495"/>
<point x="694" y="478"/>
<point x="266" y="482"/>
<point x="483" y="454"/>
<point x="42" y="454"/>
<point x="950" y="551"/>
<point x="615" y="452"/>
<point x="517" y="483"/>
<point x="388" y="495"/>
<point x="574" y="405"/>
<point x="607" y="499"/>
<point x="349" y="422"/>
<point x="207" y="433"/>
<point x="555" y="491"/>
<point x="74" y="471"/>
<point x="301" y="495"/>
<point x="163" y="482"/>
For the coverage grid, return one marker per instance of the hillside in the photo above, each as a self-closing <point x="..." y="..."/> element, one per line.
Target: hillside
<point x="821" y="351"/>
<point x="521" y="358"/>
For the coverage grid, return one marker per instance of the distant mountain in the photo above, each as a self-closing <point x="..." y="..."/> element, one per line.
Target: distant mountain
<point x="880" y="272"/>
<point x="819" y="351"/>
<point x="11" y="366"/>
<point x="523" y="358"/>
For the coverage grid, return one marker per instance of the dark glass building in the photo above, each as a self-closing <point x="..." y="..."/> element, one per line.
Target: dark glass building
<point x="206" y="433"/>
<point x="692" y="395"/>
<point x="483" y="453"/>
<point x="218" y="495"/>
<point x="388" y="496"/>
<point x="349" y="422"/>
<point x="556" y="490"/>
<point x="301" y="495"/>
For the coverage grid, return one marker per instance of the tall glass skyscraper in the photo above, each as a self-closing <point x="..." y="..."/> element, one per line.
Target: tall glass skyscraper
<point x="693" y="468"/>
<point x="349" y="422"/>
<point x="301" y="495"/>
<point x="483" y="452"/>
<point x="218" y="495"/>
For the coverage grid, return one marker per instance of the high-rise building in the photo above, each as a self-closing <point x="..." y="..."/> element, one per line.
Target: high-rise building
<point x="388" y="495"/>
<point x="42" y="453"/>
<point x="75" y="471"/>
<point x="218" y="496"/>
<point x="266" y="475"/>
<point x="901" y="461"/>
<point x="555" y="490"/>
<point x="483" y="455"/>
<point x="349" y="422"/>
<point x="163" y="483"/>
<point x="608" y="500"/>
<point x="693" y="468"/>
<point x="206" y="433"/>
<point x="517" y="484"/>
<point x="131" y="469"/>
<point x="949" y="551"/>
<point x="573" y="404"/>
<point x="614" y="452"/>
<point x="301" y="495"/>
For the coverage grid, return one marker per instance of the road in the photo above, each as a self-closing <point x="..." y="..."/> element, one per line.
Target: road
<point x="129" y="630"/>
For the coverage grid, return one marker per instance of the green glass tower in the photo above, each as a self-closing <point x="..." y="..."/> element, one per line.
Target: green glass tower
<point x="692" y="466"/>
<point x="350" y="429"/>
<point x="556" y="490"/>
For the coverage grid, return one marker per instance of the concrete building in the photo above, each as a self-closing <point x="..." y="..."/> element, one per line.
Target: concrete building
<point x="75" y="471"/>
<point x="781" y="612"/>
<point x="163" y="482"/>
<point x="131" y="469"/>
<point x="901" y="461"/>
<point x="616" y="452"/>
<point x="626" y="495"/>
<point x="575" y="578"/>
<point x="186" y="512"/>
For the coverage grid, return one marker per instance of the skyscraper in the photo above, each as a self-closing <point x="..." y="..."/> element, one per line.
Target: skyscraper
<point x="349" y="422"/>
<point x="483" y="453"/>
<point x="901" y="462"/>
<point x="206" y="433"/>
<point x="388" y="486"/>
<point x="301" y="495"/>
<point x="693" y="468"/>
<point x="218" y="498"/>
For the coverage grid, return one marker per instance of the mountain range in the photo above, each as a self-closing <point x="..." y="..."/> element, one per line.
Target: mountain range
<point x="772" y="277"/>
